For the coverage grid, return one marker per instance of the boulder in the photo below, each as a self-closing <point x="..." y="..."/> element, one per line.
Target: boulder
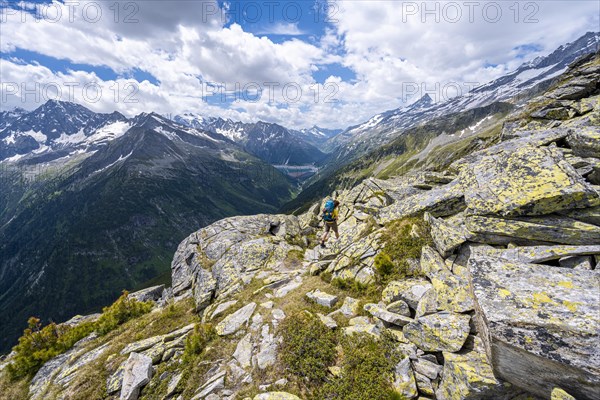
<point x="399" y="307"/>
<point x="446" y="236"/>
<point x="443" y="331"/>
<point x="428" y="304"/>
<point x="153" y="293"/>
<point x="391" y="318"/>
<point x="409" y="290"/>
<point x="559" y="394"/>
<point x="404" y="380"/>
<point x="547" y="229"/>
<point x="528" y="181"/>
<point x="243" y="351"/>
<point x="468" y="375"/>
<point x="453" y="292"/>
<point x="439" y="202"/>
<point x="350" y="307"/>
<point x="221" y="308"/>
<point x="214" y="383"/>
<point x="327" y="321"/>
<point x="213" y="259"/>
<point x="542" y="321"/>
<point x="233" y="322"/>
<point x="137" y="373"/>
<point x="322" y="298"/>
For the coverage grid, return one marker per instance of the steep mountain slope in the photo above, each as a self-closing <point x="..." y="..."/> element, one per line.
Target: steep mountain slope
<point x="435" y="289"/>
<point x="517" y="87"/>
<point x="81" y="232"/>
<point x="271" y="143"/>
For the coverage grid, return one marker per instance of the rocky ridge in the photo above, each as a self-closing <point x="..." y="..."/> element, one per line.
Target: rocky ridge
<point x="507" y="290"/>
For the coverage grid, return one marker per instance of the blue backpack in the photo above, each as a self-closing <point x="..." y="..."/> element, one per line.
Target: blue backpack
<point x="328" y="211"/>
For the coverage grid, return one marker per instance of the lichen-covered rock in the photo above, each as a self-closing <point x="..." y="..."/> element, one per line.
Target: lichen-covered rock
<point x="443" y="331"/>
<point x="585" y="142"/>
<point x="547" y="229"/>
<point x="213" y="259"/>
<point x="267" y="349"/>
<point x="243" y="351"/>
<point x="453" y="292"/>
<point x="399" y="307"/>
<point x="361" y="325"/>
<point x="276" y="396"/>
<point x="322" y="298"/>
<point x="137" y="373"/>
<point x="446" y="236"/>
<point x="410" y="290"/>
<point x="535" y="139"/>
<point x="428" y="304"/>
<point x="350" y="307"/>
<point x="439" y="202"/>
<point x="404" y="380"/>
<point x="387" y="316"/>
<point x="528" y="181"/>
<point x="233" y="322"/>
<point x="541" y="321"/>
<point x="213" y="384"/>
<point x="220" y="309"/>
<point x="468" y="375"/>
<point x="431" y="261"/>
<point x="536" y="254"/>
<point x="559" y="394"/>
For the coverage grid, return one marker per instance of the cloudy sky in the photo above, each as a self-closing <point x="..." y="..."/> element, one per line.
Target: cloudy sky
<point x="298" y="63"/>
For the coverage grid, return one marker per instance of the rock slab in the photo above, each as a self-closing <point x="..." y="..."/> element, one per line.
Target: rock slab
<point x="541" y="321"/>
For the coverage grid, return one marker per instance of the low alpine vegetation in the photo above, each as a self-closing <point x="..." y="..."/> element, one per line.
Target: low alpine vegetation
<point x="39" y="344"/>
<point x="403" y="240"/>
<point x="308" y="347"/>
<point x="366" y="373"/>
<point x="197" y="341"/>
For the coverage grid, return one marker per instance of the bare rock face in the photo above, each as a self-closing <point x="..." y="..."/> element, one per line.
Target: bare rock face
<point x="220" y="257"/>
<point x="541" y="321"/>
<point x="137" y="373"/>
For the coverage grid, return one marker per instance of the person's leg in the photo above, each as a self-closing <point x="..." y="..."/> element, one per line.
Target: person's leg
<point x="325" y="235"/>
<point x="335" y="230"/>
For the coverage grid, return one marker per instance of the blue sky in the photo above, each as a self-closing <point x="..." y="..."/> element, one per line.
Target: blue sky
<point x="311" y="59"/>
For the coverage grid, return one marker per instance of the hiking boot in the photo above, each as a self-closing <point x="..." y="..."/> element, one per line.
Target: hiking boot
<point x="322" y="245"/>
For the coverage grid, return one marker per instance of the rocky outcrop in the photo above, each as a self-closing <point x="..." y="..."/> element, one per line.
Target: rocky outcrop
<point x="540" y="320"/>
<point x="224" y="256"/>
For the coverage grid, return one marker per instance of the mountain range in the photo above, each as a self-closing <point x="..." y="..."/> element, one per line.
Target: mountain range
<point x="99" y="204"/>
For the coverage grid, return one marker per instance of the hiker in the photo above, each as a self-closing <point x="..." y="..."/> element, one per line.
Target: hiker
<point x="330" y="216"/>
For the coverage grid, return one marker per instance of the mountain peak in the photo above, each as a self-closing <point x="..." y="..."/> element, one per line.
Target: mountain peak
<point x="426" y="100"/>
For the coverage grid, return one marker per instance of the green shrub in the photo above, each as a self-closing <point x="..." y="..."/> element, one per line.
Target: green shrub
<point x="38" y="345"/>
<point x="308" y="347"/>
<point x="355" y="288"/>
<point x="399" y="246"/>
<point x="367" y="366"/>
<point x="119" y="312"/>
<point x="196" y="342"/>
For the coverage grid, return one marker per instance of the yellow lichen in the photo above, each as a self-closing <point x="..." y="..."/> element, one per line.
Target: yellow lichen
<point x="566" y="284"/>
